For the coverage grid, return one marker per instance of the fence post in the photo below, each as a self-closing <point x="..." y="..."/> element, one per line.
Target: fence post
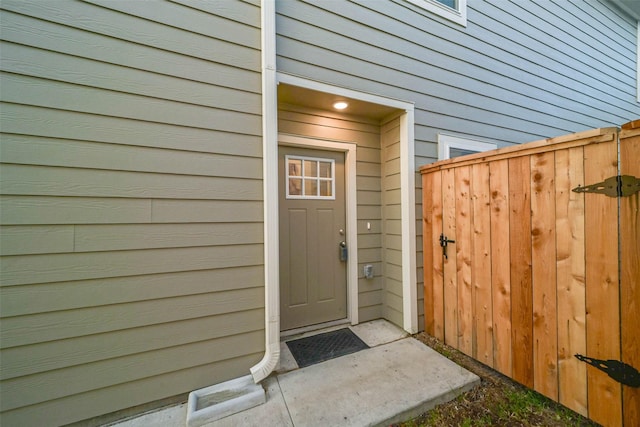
<point x="630" y="269"/>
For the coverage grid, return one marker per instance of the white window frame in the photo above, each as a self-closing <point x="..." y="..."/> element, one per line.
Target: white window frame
<point x="459" y="15"/>
<point x="303" y="178"/>
<point x="446" y="142"/>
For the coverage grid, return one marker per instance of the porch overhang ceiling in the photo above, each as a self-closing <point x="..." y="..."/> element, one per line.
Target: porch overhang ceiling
<point x="309" y="98"/>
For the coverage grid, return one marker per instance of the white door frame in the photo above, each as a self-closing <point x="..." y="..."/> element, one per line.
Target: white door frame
<point x="349" y="150"/>
<point x="270" y="80"/>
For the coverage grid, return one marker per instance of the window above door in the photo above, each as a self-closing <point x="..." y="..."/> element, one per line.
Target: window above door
<point x="310" y="178"/>
<point x="453" y="10"/>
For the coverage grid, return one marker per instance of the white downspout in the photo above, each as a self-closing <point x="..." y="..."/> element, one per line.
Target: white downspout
<point x="270" y="188"/>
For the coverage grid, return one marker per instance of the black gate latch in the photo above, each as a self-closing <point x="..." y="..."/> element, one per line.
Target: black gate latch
<point x="619" y="371"/>
<point x="444" y="242"/>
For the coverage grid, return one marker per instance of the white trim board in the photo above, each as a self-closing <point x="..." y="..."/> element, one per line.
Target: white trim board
<point x="446" y="142"/>
<point x="457" y="15"/>
<point x="351" y="208"/>
<point x="408" y="223"/>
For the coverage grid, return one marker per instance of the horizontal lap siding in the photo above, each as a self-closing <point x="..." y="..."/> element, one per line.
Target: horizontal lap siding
<point x="518" y="72"/>
<point x="392" y="231"/>
<point x="366" y="134"/>
<point x="132" y="247"/>
<point x="491" y="79"/>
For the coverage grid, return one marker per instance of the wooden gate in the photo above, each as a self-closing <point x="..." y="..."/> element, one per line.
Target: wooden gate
<point x="523" y="274"/>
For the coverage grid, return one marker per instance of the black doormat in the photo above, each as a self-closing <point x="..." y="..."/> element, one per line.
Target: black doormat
<point x="318" y="348"/>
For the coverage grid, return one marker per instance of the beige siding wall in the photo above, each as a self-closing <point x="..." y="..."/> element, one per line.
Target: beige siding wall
<point x="131" y="239"/>
<point x="366" y="134"/>
<point x="391" y="221"/>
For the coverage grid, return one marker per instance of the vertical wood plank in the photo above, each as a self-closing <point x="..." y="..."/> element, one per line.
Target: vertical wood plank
<point x="630" y="273"/>
<point x="450" y="265"/>
<point x="427" y="251"/>
<point x="481" y="265"/>
<point x="500" y="274"/>
<point x="438" y="273"/>
<point x="602" y="292"/>
<point x="463" y="258"/>
<point x="543" y="274"/>
<point x="557" y="296"/>
<point x="521" y="292"/>
<point x="572" y="374"/>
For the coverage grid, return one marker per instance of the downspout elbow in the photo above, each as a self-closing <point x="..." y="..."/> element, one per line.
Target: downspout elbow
<point x="269" y="361"/>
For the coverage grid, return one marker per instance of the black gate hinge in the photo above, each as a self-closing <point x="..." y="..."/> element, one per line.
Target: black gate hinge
<point x="619" y="371"/>
<point x="615" y="186"/>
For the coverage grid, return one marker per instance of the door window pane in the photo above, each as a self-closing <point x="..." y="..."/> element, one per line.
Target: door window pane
<point x="295" y="187"/>
<point x="295" y="167"/>
<point x="310" y="187"/>
<point x="325" y="170"/>
<point x="310" y="178"/>
<point x="326" y="188"/>
<point x="310" y="168"/>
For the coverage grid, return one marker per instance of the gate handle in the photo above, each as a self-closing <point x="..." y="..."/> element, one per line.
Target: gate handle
<point x="444" y="242"/>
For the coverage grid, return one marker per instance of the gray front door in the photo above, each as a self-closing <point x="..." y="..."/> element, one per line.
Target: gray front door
<point x="313" y="281"/>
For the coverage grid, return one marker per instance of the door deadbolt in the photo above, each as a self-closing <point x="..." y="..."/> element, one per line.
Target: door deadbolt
<point x="342" y="251"/>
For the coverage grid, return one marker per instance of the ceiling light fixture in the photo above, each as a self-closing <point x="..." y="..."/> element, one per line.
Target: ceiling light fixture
<point x="340" y="105"/>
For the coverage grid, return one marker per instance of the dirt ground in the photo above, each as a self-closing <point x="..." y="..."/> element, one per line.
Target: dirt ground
<point x="497" y="401"/>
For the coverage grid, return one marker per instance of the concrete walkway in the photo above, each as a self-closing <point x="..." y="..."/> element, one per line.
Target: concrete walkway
<point x="396" y="380"/>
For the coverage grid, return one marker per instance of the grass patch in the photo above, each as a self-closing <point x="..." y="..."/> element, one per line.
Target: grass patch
<point x="497" y="401"/>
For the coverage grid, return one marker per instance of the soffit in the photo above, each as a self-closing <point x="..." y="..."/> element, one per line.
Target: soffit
<point x="294" y="95"/>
